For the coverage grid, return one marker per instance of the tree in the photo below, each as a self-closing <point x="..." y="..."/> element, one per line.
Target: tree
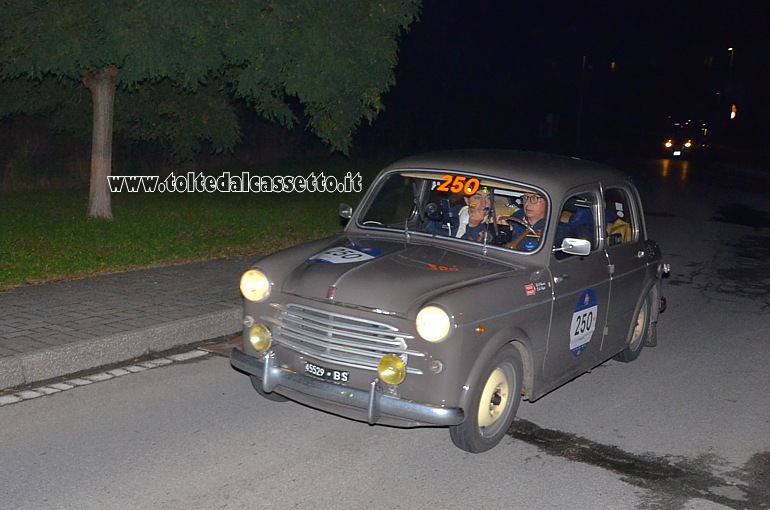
<point x="331" y="60"/>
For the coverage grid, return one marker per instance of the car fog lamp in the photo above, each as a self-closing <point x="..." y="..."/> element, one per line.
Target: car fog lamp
<point x="432" y="323"/>
<point x="260" y="337"/>
<point x="254" y="285"/>
<point x="391" y="369"/>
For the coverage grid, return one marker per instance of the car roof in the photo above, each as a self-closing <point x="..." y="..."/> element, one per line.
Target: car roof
<point x="549" y="171"/>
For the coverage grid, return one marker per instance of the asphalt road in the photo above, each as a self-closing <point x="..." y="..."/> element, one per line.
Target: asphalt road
<point x="686" y="426"/>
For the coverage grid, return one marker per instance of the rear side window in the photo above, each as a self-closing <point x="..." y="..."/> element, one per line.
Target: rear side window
<point x="619" y="213"/>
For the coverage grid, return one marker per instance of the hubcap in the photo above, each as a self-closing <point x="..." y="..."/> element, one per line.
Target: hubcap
<point x="494" y="398"/>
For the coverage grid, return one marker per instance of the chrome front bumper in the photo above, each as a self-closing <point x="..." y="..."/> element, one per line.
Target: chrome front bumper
<point x="374" y="403"/>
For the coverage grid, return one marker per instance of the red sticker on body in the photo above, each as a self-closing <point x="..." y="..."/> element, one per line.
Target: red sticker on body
<point x="530" y="288"/>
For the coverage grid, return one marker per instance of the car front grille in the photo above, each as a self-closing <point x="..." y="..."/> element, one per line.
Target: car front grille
<point x="340" y="339"/>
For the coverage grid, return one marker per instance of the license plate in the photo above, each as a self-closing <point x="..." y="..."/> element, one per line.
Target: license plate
<point x="677" y="153"/>
<point x="338" y="376"/>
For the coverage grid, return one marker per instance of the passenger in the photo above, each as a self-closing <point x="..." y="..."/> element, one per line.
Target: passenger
<point x="468" y="219"/>
<point x="474" y="216"/>
<point x="471" y="218"/>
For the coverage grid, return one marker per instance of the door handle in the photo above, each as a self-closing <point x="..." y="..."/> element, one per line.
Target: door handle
<point x="640" y="254"/>
<point x="559" y="279"/>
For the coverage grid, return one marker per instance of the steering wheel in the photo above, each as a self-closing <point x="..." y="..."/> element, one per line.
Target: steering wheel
<point x="524" y="224"/>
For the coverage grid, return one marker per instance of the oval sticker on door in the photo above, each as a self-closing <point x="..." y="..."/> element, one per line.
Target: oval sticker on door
<point x="583" y="322"/>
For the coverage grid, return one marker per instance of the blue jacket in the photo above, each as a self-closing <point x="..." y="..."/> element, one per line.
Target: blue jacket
<point x="451" y="227"/>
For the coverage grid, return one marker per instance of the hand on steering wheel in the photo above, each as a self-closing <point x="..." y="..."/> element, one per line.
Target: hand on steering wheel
<point x="524" y="224"/>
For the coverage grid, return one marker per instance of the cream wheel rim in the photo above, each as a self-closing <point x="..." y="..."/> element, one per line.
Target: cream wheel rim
<point x="494" y="398"/>
<point x="641" y="320"/>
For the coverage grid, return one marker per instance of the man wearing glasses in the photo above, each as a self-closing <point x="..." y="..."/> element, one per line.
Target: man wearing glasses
<point x="527" y="223"/>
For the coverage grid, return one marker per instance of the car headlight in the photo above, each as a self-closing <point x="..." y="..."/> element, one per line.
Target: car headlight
<point x="433" y="323"/>
<point x="254" y="285"/>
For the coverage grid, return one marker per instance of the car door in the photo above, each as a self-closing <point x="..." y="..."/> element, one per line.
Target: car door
<point x="581" y="291"/>
<point x="627" y="257"/>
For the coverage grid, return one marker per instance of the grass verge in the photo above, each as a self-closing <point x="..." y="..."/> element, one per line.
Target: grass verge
<point x="45" y="235"/>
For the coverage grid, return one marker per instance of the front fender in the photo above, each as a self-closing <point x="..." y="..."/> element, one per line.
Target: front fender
<point x="514" y="336"/>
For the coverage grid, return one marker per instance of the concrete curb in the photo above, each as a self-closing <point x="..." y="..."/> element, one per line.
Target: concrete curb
<point x="63" y="360"/>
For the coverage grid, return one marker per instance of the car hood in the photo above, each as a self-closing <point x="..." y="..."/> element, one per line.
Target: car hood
<point x="387" y="275"/>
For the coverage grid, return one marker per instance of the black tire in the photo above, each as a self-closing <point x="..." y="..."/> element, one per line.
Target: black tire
<point x="275" y="397"/>
<point x="639" y="331"/>
<point x="494" y="403"/>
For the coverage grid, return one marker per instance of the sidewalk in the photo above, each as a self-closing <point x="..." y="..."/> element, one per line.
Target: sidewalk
<point x="57" y="329"/>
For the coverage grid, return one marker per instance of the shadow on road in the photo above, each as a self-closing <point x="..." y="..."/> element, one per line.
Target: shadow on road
<point x="672" y="480"/>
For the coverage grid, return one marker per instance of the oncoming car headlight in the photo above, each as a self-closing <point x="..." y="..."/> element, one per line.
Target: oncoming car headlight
<point x="433" y="323"/>
<point x="254" y="285"/>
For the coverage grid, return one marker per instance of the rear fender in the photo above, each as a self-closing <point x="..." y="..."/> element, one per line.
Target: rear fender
<point x="651" y="289"/>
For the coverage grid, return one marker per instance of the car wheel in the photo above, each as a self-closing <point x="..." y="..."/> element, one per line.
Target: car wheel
<point x="638" y="333"/>
<point x="275" y="397"/>
<point x="493" y="405"/>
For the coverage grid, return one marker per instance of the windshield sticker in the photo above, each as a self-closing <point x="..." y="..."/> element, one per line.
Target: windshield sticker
<point x="345" y="255"/>
<point x="459" y="184"/>
<point x="583" y="322"/>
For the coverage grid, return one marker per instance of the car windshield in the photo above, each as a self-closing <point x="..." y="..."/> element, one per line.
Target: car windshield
<point x="465" y="207"/>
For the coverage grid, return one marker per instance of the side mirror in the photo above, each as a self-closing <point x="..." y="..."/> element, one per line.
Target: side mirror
<point x="346" y="212"/>
<point x="574" y="246"/>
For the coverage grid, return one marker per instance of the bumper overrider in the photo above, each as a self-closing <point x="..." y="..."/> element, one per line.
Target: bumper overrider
<point x="376" y="405"/>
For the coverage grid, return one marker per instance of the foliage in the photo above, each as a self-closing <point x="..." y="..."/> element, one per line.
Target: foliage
<point x="181" y="63"/>
<point x="178" y="119"/>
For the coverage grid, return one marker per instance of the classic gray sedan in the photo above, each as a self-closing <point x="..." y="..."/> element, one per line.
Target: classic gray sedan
<point x="463" y="282"/>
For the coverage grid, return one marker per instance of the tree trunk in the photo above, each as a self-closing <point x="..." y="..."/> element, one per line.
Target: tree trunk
<point x="102" y="86"/>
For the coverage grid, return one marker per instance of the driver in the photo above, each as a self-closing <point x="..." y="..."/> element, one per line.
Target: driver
<point x="528" y="223"/>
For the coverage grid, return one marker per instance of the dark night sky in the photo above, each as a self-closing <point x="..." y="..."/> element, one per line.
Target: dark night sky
<point x="487" y="73"/>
